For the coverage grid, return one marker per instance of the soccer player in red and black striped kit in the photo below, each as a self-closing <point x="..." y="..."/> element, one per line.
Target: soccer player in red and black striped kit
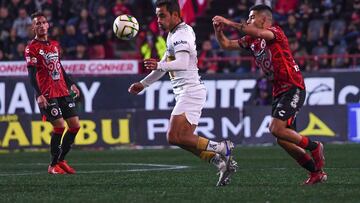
<point x="270" y="48"/>
<point x="51" y="85"/>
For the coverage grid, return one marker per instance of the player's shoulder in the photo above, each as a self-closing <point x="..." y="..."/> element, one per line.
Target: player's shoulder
<point x="54" y="42"/>
<point x="31" y="43"/>
<point x="276" y="29"/>
<point x="31" y="46"/>
<point x="182" y="29"/>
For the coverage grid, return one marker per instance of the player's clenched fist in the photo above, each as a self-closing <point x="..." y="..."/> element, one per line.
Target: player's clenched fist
<point x="135" y="88"/>
<point x="150" y="64"/>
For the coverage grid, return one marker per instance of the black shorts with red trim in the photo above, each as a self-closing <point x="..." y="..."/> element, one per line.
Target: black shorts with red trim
<point x="286" y="105"/>
<point x="61" y="107"/>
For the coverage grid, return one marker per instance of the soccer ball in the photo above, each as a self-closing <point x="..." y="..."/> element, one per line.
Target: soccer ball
<point x="125" y="27"/>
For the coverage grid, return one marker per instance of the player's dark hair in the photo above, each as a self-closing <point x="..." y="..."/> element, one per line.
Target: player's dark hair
<point x="264" y="9"/>
<point x="37" y="14"/>
<point x="171" y="5"/>
<point x="260" y="7"/>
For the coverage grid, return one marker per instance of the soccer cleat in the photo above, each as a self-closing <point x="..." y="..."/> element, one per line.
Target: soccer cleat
<point x="316" y="177"/>
<point x="68" y="169"/>
<point x="225" y="172"/>
<point x="55" y="170"/>
<point x="318" y="156"/>
<point x="229" y="146"/>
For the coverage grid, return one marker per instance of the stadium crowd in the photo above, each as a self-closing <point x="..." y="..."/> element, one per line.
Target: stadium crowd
<point x="326" y="28"/>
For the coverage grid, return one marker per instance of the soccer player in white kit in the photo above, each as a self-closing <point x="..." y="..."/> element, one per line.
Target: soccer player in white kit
<point x="180" y="62"/>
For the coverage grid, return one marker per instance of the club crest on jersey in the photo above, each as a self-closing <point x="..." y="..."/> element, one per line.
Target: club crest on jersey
<point x="54" y="112"/>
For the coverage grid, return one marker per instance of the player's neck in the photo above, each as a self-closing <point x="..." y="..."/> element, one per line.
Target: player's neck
<point x="41" y="38"/>
<point x="176" y="24"/>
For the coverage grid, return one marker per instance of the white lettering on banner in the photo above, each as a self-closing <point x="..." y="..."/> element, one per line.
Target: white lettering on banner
<point x="150" y="95"/>
<point x="156" y="126"/>
<point x="227" y="125"/>
<point x="320" y="91"/>
<point x="98" y="67"/>
<point x="264" y="127"/>
<point x="166" y="95"/>
<point x="225" y="86"/>
<point x="89" y="94"/>
<point x="240" y="95"/>
<point x="36" y="106"/>
<point x="2" y="98"/>
<point x="19" y="99"/>
<point x="237" y="87"/>
<point x="357" y="117"/>
<point x="207" y="128"/>
<point x="344" y="92"/>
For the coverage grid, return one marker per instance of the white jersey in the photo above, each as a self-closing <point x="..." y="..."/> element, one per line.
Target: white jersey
<point x="182" y="38"/>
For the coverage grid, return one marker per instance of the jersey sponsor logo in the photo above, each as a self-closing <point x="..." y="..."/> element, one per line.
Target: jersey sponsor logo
<point x="180" y="42"/>
<point x="50" y="57"/>
<point x="263" y="57"/>
<point x="295" y="99"/>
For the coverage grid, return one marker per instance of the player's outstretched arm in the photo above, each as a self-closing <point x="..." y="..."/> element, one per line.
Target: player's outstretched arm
<point x="154" y="76"/>
<point x="224" y="42"/>
<point x="246" y="28"/>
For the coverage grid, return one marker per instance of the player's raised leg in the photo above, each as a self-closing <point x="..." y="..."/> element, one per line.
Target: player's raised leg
<point x="288" y="138"/>
<point x="181" y="133"/>
<point x="305" y="161"/>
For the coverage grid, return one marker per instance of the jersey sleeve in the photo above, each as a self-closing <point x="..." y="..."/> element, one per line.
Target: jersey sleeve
<point x="181" y="41"/>
<point x="30" y="57"/>
<point x="244" y="42"/>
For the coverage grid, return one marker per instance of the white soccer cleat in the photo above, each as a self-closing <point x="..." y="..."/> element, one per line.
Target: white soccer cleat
<point x="225" y="172"/>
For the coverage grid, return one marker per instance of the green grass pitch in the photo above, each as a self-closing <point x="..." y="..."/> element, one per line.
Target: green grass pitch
<point x="266" y="174"/>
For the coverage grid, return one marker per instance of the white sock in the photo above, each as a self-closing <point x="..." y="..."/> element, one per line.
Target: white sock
<point x="217" y="161"/>
<point x="215" y="146"/>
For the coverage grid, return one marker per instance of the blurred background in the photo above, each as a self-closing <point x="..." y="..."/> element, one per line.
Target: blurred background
<point x="324" y="36"/>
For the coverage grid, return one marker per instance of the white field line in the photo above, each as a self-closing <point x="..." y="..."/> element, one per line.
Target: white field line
<point x="159" y="167"/>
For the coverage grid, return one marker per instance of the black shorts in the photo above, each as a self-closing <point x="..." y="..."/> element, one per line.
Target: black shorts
<point x="286" y="105"/>
<point x="61" y="107"/>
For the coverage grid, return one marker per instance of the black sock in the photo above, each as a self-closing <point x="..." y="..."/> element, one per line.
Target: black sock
<point x="68" y="140"/>
<point x="55" y="147"/>
<point x="311" y="146"/>
<point x="309" y="165"/>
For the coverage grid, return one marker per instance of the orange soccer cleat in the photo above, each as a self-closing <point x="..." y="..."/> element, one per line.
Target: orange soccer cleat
<point x="68" y="169"/>
<point x="55" y="170"/>
<point x="316" y="177"/>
